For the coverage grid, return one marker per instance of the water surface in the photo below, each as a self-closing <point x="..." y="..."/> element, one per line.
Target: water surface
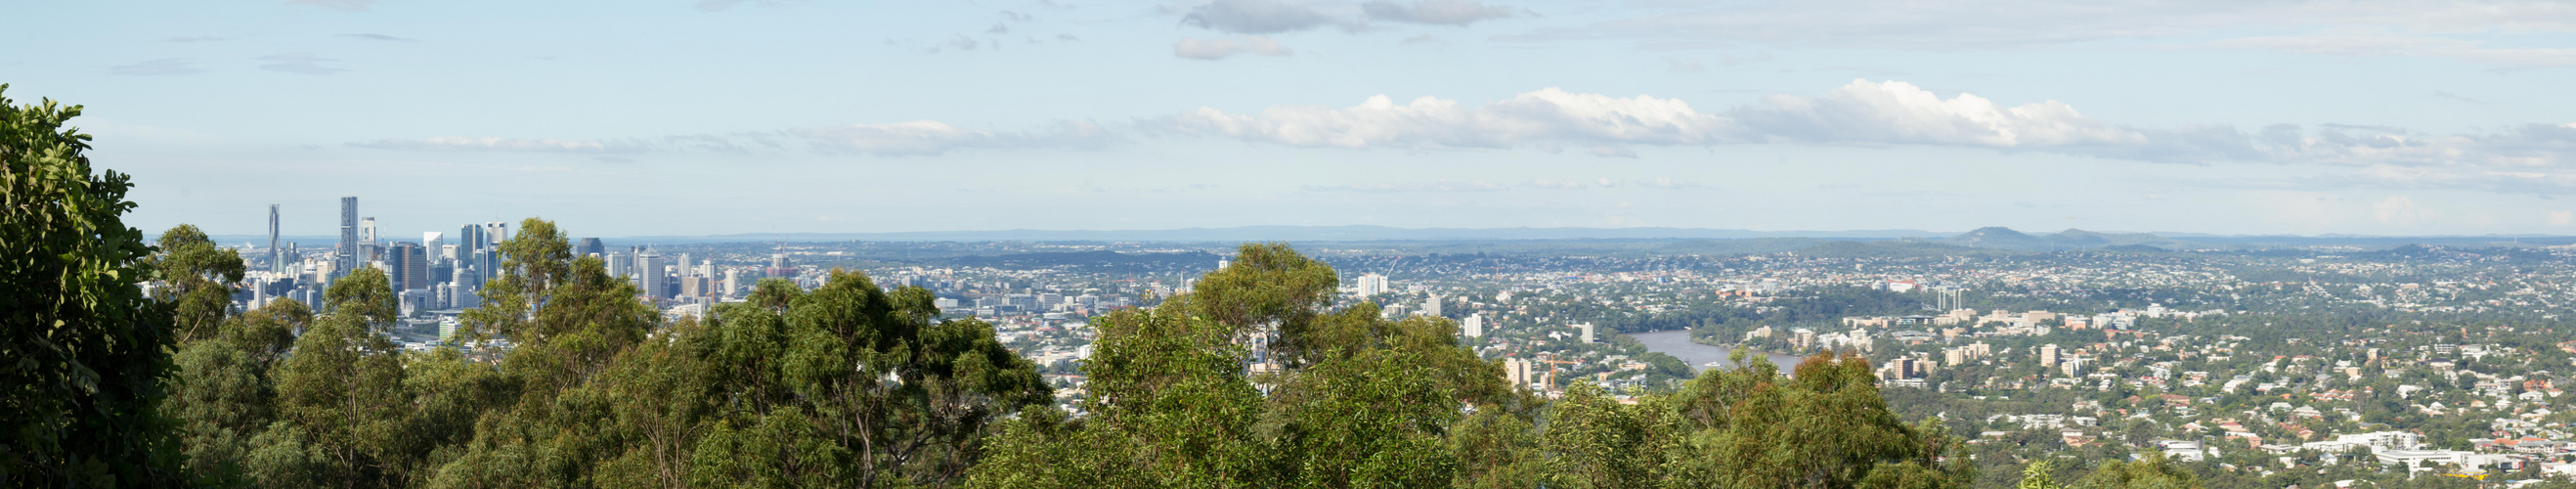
<point x="1678" y="344"/>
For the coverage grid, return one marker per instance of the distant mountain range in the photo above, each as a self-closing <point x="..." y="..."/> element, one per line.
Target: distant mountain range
<point x="2006" y="238"/>
<point x="1315" y="233"/>
<point x="1988" y="238"/>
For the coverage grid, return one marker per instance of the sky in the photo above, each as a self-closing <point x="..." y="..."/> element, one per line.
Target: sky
<point x="641" y="118"/>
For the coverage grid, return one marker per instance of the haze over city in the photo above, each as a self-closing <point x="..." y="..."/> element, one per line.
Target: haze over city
<point x="723" y="117"/>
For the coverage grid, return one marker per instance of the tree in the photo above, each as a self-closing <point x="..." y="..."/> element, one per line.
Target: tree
<point x="1344" y="398"/>
<point x="1170" y="406"/>
<point x="195" y="278"/>
<point x="2153" y="472"/>
<point x="342" y="390"/>
<point x="226" y="391"/>
<point x="86" y="354"/>
<point x="915" y="409"/>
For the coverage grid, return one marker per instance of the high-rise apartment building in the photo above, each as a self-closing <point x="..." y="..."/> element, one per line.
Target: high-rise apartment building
<point x="778" y="266"/>
<point x="1371" y="284"/>
<point x="2048" y="355"/>
<point x="733" y="282"/>
<point x="1474" y="327"/>
<point x="1431" y="307"/>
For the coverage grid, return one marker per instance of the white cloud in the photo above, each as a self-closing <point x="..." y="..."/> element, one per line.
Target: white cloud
<point x="1258" y="16"/>
<point x="2562" y="218"/>
<point x="2409" y="46"/>
<point x="455" y="143"/>
<point x="1558" y="184"/>
<point x="1220" y="48"/>
<point x="934" y="137"/>
<point x="2012" y="24"/>
<point x="1613" y="152"/>
<point x="1668" y="182"/>
<point x="2537" y="156"/>
<point x="2401" y="211"/>
<point x="1862" y="112"/>
<point x="1899" y="112"/>
<point x="1441" y="12"/>
<point x="894" y="139"/>
<point x="300" y="63"/>
<point x="1539" y="116"/>
<point x="1432" y="186"/>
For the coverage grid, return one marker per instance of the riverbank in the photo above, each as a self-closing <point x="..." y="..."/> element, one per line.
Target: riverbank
<point x="1700" y="356"/>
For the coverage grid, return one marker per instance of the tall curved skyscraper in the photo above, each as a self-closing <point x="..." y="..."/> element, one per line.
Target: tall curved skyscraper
<point x="347" y="259"/>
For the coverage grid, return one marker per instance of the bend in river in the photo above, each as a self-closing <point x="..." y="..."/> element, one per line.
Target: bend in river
<point x="1678" y="344"/>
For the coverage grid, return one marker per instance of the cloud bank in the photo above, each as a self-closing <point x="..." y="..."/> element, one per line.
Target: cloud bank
<point x="1282" y="16"/>
<point x="913" y="138"/>
<point x="1870" y="113"/>
<point x="1220" y="48"/>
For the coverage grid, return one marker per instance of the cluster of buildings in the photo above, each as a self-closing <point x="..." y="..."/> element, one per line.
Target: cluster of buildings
<point x="440" y="272"/>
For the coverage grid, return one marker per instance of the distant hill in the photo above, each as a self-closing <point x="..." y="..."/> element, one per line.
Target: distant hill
<point x="2071" y="239"/>
<point x="1308" y="233"/>
<point x="1897" y="249"/>
<point x="1098" y="260"/>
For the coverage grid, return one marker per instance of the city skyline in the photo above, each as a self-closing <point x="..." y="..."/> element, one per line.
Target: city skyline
<point x="2381" y="118"/>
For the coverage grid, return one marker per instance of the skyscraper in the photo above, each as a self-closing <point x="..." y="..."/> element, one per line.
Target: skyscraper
<point x="409" y="265"/>
<point x="276" y="256"/>
<point x="493" y="234"/>
<point x="367" y="244"/>
<point x="347" y="259"/>
<point x="648" y="272"/>
<point x="1431" y="307"/>
<point x="471" y="271"/>
<point x="430" y="242"/>
<point x="732" y="282"/>
<point x="778" y="266"/>
<point x="620" y="265"/>
<point x="1475" y="327"/>
<point x="590" y="247"/>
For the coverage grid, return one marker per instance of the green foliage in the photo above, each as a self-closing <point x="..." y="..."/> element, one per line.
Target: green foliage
<point x="226" y="394"/>
<point x="1251" y="380"/>
<point x="343" y="391"/>
<point x="195" y="277"/>
<point x="1272" y="289"/>
<point x="1177" y="400"/>
<point x="85" y="355"/>
<point x="2153" y="472"/>
<point x="845" y="386"/>
<point x="914" y="410"/>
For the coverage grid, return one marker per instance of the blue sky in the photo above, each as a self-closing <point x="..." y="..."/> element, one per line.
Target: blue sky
<point x="713" y="117"/>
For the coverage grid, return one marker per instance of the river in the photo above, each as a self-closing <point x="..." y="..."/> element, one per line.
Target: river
<point x="1678" y="344"/>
